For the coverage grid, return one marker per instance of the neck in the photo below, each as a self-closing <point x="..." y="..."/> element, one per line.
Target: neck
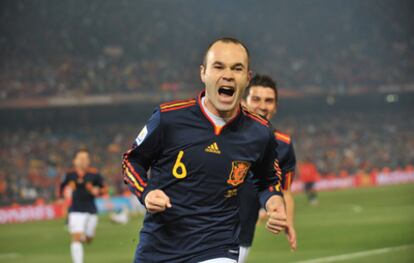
<point x="222" y="114"/>
<point x="80" y="170"/>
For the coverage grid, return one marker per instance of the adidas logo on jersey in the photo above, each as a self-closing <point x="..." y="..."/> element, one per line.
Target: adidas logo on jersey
<point x="213" y="148"/>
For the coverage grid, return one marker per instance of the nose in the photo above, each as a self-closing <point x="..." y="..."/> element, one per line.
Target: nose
<point x="228" y="75"/>
<point x="262" y="105"/>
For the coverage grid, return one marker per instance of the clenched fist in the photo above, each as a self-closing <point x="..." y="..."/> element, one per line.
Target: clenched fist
<point x="157" y="201"/>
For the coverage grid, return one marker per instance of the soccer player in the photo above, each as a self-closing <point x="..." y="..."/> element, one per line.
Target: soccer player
<point x="261" y="97"/>
<point x="200" y="151"/>
<point x="309" y="175"/>
<point x="86" y="184"/>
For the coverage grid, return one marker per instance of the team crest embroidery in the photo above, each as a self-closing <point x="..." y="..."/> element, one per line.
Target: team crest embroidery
<point x="239" y="171"/>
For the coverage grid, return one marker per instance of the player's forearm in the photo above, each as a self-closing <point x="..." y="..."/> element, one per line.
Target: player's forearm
<point x="135" y="175"/>
<point x="290" y="206"/>
<point x="268" y="187"/>
<point x="267" y="193"/>
<point x="59" y="192"/>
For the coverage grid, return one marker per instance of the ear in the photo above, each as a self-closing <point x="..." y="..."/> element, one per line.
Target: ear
<point x="249" y="75"/>
<point x="202" y="73"/>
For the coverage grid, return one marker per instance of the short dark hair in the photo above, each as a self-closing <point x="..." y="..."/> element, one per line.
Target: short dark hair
<point x="81" y="150"/>
<point x="264" y="81"/>
<point x="226" y="40"/>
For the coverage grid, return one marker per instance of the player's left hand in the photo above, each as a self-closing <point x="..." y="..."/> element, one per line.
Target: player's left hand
<point x="94" y="190"/>
<point x="291" y="236"/>
<point x="277" y="220"/>
<point x="157" y="201"/>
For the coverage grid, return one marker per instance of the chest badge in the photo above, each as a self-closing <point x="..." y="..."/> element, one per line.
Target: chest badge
<point x="238" y="172"/>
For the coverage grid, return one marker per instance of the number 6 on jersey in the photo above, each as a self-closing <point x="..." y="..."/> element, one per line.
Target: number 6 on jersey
<point x="179" y="170"/>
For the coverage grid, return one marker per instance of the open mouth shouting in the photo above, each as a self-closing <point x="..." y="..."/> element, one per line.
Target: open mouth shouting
<point x="226" y="93"/>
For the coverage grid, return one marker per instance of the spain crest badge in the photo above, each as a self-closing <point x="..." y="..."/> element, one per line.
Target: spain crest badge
<point x="238" y="172"/>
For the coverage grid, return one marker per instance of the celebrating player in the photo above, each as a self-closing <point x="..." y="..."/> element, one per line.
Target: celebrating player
<point x="200" y="151"/>
<point x="86" y="184"/>
<point x="261" y="97"/>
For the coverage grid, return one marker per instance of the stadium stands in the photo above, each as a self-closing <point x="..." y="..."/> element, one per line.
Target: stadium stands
<point x="333" y="48"/>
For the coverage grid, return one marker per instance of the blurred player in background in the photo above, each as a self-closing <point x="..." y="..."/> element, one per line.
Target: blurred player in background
<point x="199" y="151"/>
<point x="309" y="175"/>
<point x="85" y="184"/>
<point x="261" y="97"/>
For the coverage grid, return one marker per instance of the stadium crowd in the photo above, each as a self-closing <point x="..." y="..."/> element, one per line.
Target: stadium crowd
<point x="143" y="53"/>
<point x="32" y="161"/>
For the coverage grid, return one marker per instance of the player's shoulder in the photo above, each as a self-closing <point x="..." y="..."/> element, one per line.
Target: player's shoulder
<point x="70" y="172"/>
<point x="282" y="137"/>
<point x="173" y="106"/>
<point x="255" y="118"/>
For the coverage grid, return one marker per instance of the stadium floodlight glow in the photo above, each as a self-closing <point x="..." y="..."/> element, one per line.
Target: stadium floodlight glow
<point x="391" y="98"/>
<point x="330" y="100"/>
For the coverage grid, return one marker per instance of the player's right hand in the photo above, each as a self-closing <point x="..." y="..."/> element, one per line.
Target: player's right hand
<point x="93" y="190"/>
<point x="157" y="201"/>
<point x="277" y="220"/>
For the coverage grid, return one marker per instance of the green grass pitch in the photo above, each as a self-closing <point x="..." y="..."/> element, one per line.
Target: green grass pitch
<point x="344" y="222"/>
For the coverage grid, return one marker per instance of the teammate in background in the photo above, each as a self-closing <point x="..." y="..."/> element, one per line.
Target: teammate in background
<point x="261" y="97"/>
<point x="200" y="151"/>
<point x="309" y="175"/>
<point x="86" y="184"/>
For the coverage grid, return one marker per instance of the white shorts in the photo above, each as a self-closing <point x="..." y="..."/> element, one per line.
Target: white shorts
<point x="83" y="223"/>
<point x="220" y="260"/>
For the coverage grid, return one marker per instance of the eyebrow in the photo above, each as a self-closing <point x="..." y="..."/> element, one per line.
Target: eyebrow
<point x="238" y="64"/>
<point x="266" y="98"/>
<point x="218" y="63"/>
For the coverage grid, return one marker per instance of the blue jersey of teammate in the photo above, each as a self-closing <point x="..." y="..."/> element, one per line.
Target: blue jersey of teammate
<point x="200" y="167"/>
<point x="249" y="203"/>
<point x="82" y="199"/>
<point x="286" y="157"/>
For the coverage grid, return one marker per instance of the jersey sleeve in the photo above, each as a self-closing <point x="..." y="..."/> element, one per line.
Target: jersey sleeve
<point x="138" y="159"/>
<point x="62" y="185"/>
<point x="100" y="182"/>
<point x="288" y="168"/>
<point x="267" y="174"/>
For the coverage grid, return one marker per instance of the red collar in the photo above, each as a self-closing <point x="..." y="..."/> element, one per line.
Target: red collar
<point x="217" y="129"/>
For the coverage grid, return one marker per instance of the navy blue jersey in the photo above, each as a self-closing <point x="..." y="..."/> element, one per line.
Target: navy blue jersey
<point x="286" y="157"/>
<point x="82" y="199"/>
<point x="200" y="167"/>
<point x="249" y="203"/>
